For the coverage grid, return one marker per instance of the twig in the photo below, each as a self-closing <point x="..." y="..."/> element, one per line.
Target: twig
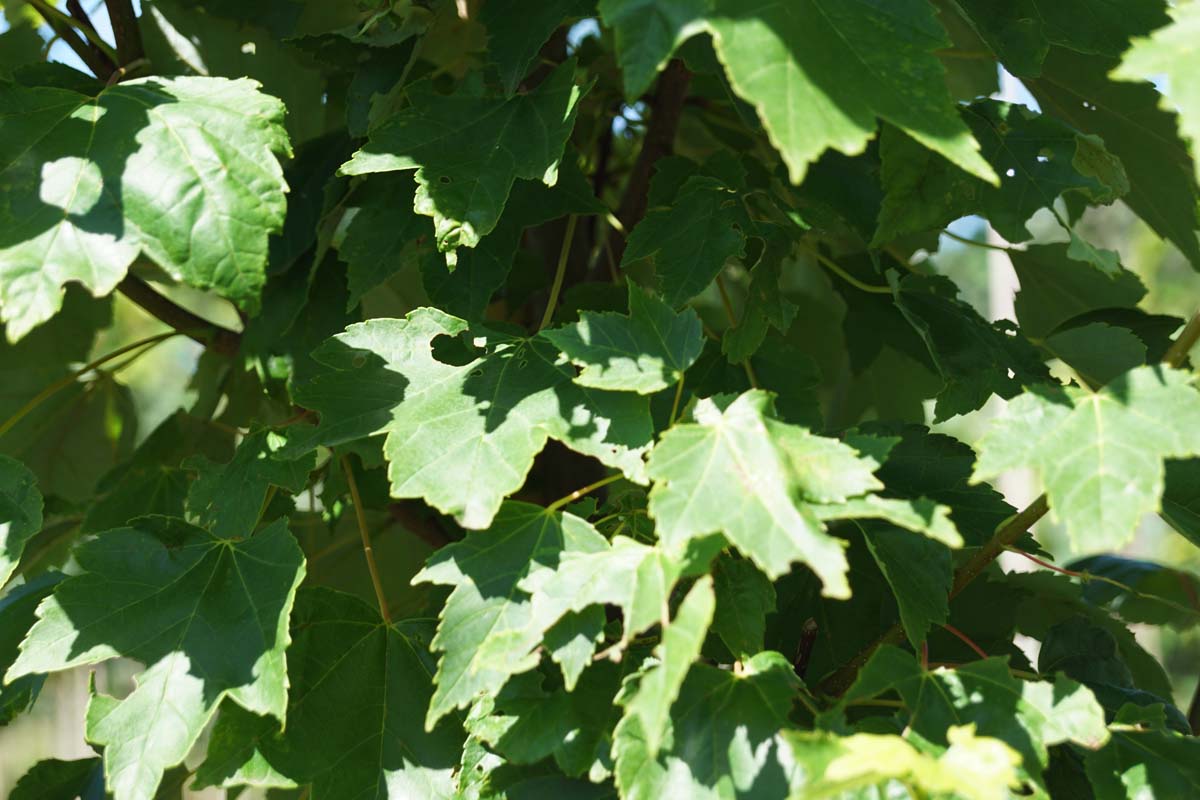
<point x="63" y="383"/>
<point x="675" y="402"/>
<point x="836" y="269"/>
<point x="733" y="323"/>
<point x="967" y="640"/>
<point x="974" y="242"/>
<point x="366" y="541"/>
<point x="1177" y="354"/>
<point x="216" y="338"/>
<point x="560" y="271"/>
<point x="65" y="28"/>
<point x="578" y="493"/>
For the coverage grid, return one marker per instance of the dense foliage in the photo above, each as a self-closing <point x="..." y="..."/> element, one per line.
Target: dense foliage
<point x="571" y="438"/>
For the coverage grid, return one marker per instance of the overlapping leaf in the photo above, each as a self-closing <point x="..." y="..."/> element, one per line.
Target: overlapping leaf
<point x="469" y="148"/>
<point x="183" y="170"/>
<point x="644" y="352"/>
<point x="463" y="437"/>
<point x="1099" y="455"/>
<point x="207" y="616"/>
<point x="20" y="513"/>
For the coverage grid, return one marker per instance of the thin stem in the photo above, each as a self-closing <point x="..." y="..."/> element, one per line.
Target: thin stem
<point x="64" y="28"/>
<point x="616" y="224"/>
<point x="219" y="339"/>
<point x="877" y="702"/>
<point x="733" y="323"/>
<point x="974" y="242"/>
<point x="63" y="383"/>
<point x="675" y="404"/>
<point x="833" y="267"/>
<point x="366" y="541"/>
<point x="578" y="493"/>
<point x="560" y="272"/>
<point x="1177" y="354"/>
<point x="964" y="639"/>
<point x="1070" y="573"/>
<point x="50" y="12"/>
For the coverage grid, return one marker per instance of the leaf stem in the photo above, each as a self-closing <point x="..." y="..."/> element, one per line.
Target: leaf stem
<point x="833" y="267"/>
<point x="63" y="383"/>
<point x="733" y="323"/>
<point x="967" y="640"/>
<point x="974" y="242"/>
<point x="675" y="403"/>
<point x="363" y="532"/>
<point x="1177" y="354"/>
<point x="578" y="493"/>
<point x="560" y="271"/>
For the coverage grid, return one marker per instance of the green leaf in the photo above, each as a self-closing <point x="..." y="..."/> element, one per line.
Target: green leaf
<point x="344" y="659"/>
<point x="723" y="736"/>
<point x="691" y="239"/>
<point x="16" y="618"/>
<point x="740" y="472"/>
<point x="468" y="289"/>
<point x="647" y="32"/>
<point x="384" y="236"/>
<point x="744" y="599"/>
<point x="1145" y="763"/>
<point x="1098" y="353"/>
<point x="469" y="148"/>
<point x="648" y="704"/>
<point x="1162" y="181"/>
<point x="1100" y="460"/>
<point x="1157" y="594"/>
<point x="644" y="352"/>
<point x="1037" y="157"/>
<point x="972" y="767"/>
<point x="921" y="574"/>
<point x="819" y="73"/>
<point x="964" y="348"/>
<point x="228" y="499"/>
<point x="182" y="170"/>
<point x="55" y="779"/>
<point x="527" y="723"/>
<point x="632" y="576"/>
<point x="1056" y="288"/>
<point x="920" y="515"/>
<point x="1034" y="716"/>
<point x="1168" y="57"/>
<point x="208" y="618"/>
<point x="514" y="39"/>
<point x="20" y="513"/>
<point x="492" y="414"/>
<point x="1181" y="498"/>
<point x="489" y="627"/>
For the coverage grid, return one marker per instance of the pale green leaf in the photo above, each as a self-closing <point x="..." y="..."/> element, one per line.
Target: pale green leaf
<point x="228" y="499"/>
<point x="183" y="170"/>
<point x="20" y="513"/>
<point x="723" y="736"/>
<point x="691" y="239"/>
<point x="1169" y="58"/>
<point x="644" y="352"/>
<point x="489" y="627"/>
<point x="208" y="617"/>
<point x="468" y="148"/>
<point x="820" y="72"/>
<point x="463" y="437"/>
<point x="971" y="768"/>
<point x="740" y="472"/>
<point x="356" y="687"/>
<point x="1100" y="459"/>
<point x="920" y="515"/>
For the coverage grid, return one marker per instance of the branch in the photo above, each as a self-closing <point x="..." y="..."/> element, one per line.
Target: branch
<point x="665" y="112"/>
<point x="1005" y="537"/>
<point x="408" y="514"/>
<point x="64" y="28"/>
<point x="126" y="31"/>
<point x="216" y="338"/>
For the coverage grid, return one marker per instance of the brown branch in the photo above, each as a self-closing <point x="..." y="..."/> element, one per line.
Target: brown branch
<point x="125" y="31"/>
<point x="216" y="338"/>
<point x="99" y="63"/>
<point x="665" y="112"/>
<point x="408" y="514"/>
<point x="75" y="9"/>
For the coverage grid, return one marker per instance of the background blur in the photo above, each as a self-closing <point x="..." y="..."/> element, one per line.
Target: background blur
<point x="159" y="383"/>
